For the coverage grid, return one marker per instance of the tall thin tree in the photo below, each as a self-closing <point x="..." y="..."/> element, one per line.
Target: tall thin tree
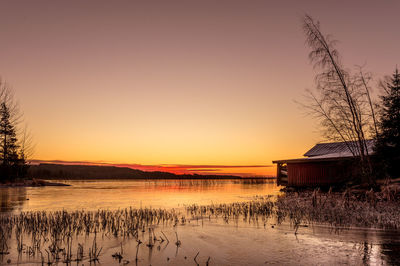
<point x="340" y="99"/>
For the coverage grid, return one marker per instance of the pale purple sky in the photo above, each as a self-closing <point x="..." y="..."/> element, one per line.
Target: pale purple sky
<point x="190" y="82"/>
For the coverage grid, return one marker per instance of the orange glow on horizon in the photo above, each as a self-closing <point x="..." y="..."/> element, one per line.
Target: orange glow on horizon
<point x="238" y="170"/>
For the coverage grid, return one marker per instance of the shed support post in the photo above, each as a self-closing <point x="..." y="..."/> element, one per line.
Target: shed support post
<point x="278" y="173"/>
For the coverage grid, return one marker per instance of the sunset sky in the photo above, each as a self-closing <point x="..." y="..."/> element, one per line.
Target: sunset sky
<point x="209" y="85"/>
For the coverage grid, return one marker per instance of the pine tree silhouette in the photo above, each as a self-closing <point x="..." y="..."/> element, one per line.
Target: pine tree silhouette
<point x="388" y="145"/>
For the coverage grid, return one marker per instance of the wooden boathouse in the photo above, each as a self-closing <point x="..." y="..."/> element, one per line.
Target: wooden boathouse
<point x="325" y="164"/>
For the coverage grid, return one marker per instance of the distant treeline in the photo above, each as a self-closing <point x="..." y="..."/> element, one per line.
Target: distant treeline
<point x="69" y="172"/>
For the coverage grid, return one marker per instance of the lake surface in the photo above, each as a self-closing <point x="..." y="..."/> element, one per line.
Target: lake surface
<point x="114" y="194"/>
<point x="223" y="243"/>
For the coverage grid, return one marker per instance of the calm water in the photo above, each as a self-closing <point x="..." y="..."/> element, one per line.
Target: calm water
<point x="92" y="195"/>
<point x="233" y="243"/>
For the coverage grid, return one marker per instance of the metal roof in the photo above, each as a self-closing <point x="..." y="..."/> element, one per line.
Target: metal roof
<point x="337" y="148"/>
<point x="329" y="152"/>
<point x="314" y="159"/>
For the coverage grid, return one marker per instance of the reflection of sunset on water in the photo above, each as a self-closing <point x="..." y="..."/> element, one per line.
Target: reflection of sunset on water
<point x="12" y="199"/>
<point x="227" y="242"/>
<point x="116" y="194"/>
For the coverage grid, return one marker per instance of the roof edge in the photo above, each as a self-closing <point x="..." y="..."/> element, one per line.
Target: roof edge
<point x="310" y="159"/>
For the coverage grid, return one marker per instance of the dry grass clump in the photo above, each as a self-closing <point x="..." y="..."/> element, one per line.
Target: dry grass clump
<point x="253" y="210"/>
<point x="338" y="210"/>
<point x="345" y="209"/>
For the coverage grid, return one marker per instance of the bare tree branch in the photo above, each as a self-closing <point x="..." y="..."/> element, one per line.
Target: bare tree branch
<point x="343" y="103"/>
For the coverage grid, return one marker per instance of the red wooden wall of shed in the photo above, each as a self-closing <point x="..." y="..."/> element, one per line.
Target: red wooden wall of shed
<point x="315" y="174"/>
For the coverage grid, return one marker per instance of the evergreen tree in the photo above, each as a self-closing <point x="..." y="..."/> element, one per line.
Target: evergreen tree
<point x="388" y="141"/>
<point x="14" y="147"/>
<point x="8" y="146"/>
<point x="12" y="165"/>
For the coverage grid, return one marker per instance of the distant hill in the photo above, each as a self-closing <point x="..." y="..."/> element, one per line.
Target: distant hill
<point x="66" y="172"/>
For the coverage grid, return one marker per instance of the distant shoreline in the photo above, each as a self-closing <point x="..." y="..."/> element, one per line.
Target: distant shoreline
<point x="92" y="172"/>
<point x="32" y="183"/>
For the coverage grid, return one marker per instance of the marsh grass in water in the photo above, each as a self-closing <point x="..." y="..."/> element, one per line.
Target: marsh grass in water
<point x="337" y="210"/>
<point x="50" y="235"/>
<point x="78" y="236"/>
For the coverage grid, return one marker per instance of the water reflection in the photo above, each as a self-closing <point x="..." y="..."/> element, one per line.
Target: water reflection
<point x="368" y="246"/>
<point x="236" y="243"/>
<point x="115" y="194"/>
<point x="12" y="199"/>
<point x="391" y="253"/>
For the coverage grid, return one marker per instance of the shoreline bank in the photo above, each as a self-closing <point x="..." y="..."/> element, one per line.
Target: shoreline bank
<point x="32" y="183"/>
